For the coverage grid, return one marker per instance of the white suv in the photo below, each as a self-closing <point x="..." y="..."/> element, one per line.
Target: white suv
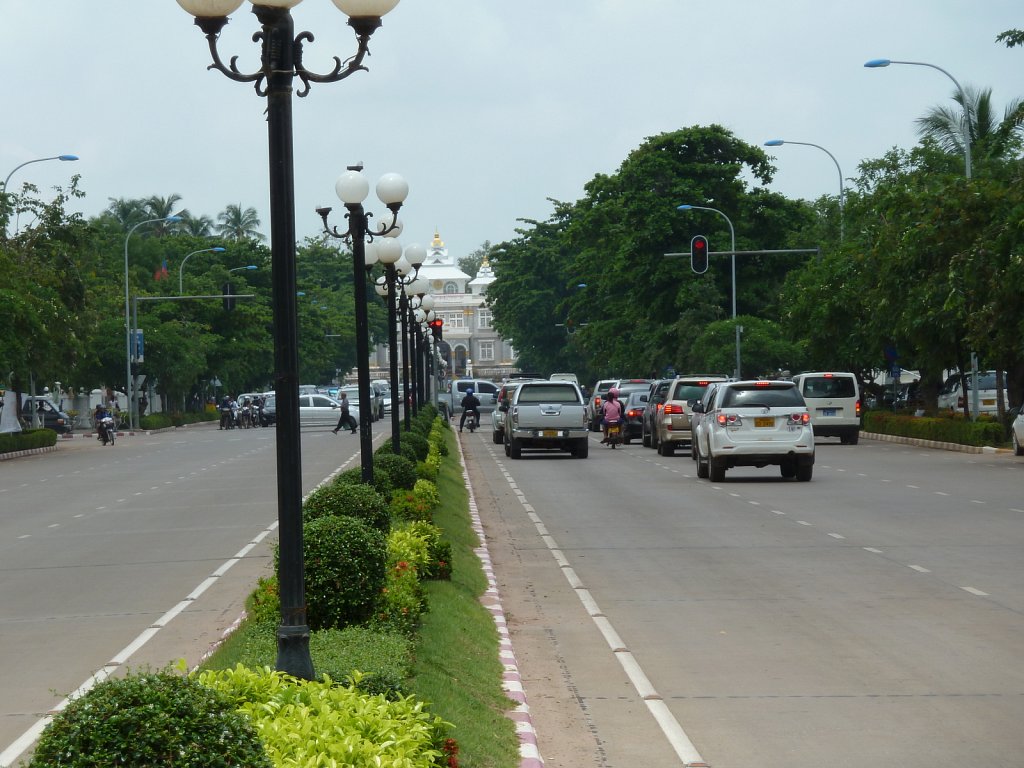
<point x="754" y="424"/>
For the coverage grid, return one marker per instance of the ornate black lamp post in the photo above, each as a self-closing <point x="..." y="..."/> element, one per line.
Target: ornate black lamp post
<point x="408" y="268"/>
<point x="280" y="64"/>
<point x="352" y="187"/>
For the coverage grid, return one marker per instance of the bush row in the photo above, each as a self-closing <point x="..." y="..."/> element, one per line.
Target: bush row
<point x="942" y="429"/>
<point x="367" y="550"/>
<point x="26" y="440"/>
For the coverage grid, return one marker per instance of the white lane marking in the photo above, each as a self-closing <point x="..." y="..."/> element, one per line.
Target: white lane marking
<point x="913" y="486"/>
<point x="974" y="591"/>
<point x="670" y="727"/>
<point x="976" y="501"/>
<point x="872" y="549"/>
<point x="837" y="536"/>
<point x="919" y="568"/>
<point x="941" y="493"/>
<point x="777" y="512"/>
<point x="803" y="522"/>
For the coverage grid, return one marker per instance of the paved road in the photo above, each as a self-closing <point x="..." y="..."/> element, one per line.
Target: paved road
<point x="131" y="555"/>
<point x="874" y="616"/>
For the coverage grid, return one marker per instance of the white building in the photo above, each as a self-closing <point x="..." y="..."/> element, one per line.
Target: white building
<point x="471" y="346"/>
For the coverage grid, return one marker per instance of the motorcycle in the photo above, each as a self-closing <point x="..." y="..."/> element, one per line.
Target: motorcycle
<point x="107" y="430"/>
<point x="473" y="419"/>
<point x="614" y="433"/>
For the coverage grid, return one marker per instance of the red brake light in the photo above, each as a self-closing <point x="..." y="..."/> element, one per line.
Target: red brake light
<point x="676" y="409"/>
<point x="858" y="408"/>
<point x="703" y="383"/>
<point x="828" y="375"/>
<point x="762" y="384"/>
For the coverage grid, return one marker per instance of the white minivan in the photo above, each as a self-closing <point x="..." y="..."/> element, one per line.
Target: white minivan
<point x="833" y="400"/>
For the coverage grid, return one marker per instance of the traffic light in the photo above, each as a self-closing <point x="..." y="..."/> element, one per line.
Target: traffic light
<point x="229" y="299"/>
<point x="699" y="254"/>
<point x="435" y="327"/>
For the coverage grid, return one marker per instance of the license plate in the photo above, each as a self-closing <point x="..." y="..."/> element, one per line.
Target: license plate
<point x="550" y="433"/>
<point x="988" y="401"/>
<point x="764" y="421"/>
<point x="828" y="411"/>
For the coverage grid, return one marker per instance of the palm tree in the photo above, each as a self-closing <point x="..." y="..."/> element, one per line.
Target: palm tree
<point x="991" y="139"/>
<point x="238" y="224"/>
<point x="127" y="212"/>
<point x="198" y="226"/>
<point x="160" y="208"/>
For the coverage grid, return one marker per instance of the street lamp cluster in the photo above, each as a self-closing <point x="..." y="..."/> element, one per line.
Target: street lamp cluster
<point x="281" y="62"/>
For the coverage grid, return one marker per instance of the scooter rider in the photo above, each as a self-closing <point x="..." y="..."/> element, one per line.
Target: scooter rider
<point x="470" y="403"/>
<point x="611" y="411"/>
<point x="99" y="417"/>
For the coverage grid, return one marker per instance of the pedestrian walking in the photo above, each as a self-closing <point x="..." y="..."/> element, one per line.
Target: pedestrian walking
<point x="346" y="419"/>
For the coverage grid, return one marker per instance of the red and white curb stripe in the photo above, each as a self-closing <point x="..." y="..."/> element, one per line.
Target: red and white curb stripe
<point x="529" y="754"/>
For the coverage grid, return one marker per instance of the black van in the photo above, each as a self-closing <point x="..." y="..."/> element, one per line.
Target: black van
<point x="50" y="416"/>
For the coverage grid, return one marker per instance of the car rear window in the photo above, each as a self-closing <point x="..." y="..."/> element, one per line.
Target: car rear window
<point x="548" y="394"/>
<point x="755" y="396"/>
<point x="985" y="380"/>
<point x="685" y="391"/>
<point x="829" y="386"/>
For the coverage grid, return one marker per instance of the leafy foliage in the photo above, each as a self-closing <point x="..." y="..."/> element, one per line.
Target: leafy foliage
<point x="348" y="499"/>
<point x="153" y="719"/>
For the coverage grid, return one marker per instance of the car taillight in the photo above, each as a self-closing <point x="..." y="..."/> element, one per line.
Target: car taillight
<point x="858" y="409"/>
<point x="800" y="418"/>
<point x="729" y="420"/>
<point x="633" y="413"/>
<point x="674" y="409"/>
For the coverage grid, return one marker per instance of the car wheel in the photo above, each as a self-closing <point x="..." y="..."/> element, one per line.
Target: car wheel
<point x="693" y="450"/>
<point x="582" y="448"/>
<point x="645" y="438"/>
<point x="1018" y="449"/>
<point x="508" y="448"/>
<point x="667" y="448"/>
<point x="716" y="470"/>
<point x="626" y="440"/>
<point x="515" y="449"/>
<point x="702" y="466"/>
<point x="854" y="438"/>
<point x="497" y="438"/>
<point x="804" y="472"/>
<point x="595" y="425"/>
<point x="788" y="469"/>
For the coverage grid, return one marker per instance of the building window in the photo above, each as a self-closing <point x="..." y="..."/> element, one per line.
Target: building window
<point x="453" y="319"/>
<point x="451" y="288"/>
<point x="487" y="350"/>
<point x="483" y="318"/>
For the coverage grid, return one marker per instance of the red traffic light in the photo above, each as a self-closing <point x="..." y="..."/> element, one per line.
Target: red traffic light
<point x="699" y="254"/>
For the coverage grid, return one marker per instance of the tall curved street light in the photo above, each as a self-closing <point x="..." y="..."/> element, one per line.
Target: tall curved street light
<point x="878" y="63"/>
<point x="3" y="208"/>
<point x="842" y="189"/>
<point x="129" y="390"/>
<point x="732" y="235"/>
<point x="352" y="189"/>
<point x="249" y="267"/>
<point x="281" y="63"/>
<point x="181" y="267"/>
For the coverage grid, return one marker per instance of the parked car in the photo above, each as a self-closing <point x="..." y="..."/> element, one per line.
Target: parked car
<point x="952" y="396"/>
<point x="315" y="410"/>
<point x="1017" y="432"/>
<point x="755" y="424"/>
<point x="671" y="429"/>
<point x="50" y="416"/>
<point x="833" y="400"/>
<point x="382" y="389"/>
<point x="636" y="404"/>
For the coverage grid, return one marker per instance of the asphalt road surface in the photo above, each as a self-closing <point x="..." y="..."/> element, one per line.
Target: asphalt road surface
<point x="133" y="555"/>
<point x="873" y="616"/>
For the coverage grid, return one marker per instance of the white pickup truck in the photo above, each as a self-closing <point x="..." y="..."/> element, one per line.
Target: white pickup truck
<point x="547" y="414"/>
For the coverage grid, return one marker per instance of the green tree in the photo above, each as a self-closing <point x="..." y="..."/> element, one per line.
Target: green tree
<point x="236" y="223"/>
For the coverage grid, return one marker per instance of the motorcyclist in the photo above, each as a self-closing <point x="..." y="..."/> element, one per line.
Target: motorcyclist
<point x="99" y="417"/>
<point x="470" y="403"/>
<point x="227" y="412"/>
<point x="611" y="411"/>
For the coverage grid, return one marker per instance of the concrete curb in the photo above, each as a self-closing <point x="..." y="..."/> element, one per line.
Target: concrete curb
<point x="936" y="444"/>
<point x="529" y="754"/>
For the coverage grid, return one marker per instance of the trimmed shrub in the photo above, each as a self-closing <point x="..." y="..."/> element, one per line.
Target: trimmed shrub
<point x="356" y="500"/>
<point x="419" y="442"/>
<point x="428" y="492"/>
<point x="345" y="569"/>
<point x="153" y="719"/>
<point x="941" y="429"/>
<point x="382" y="482"/>
<point x="401" y="601"/>
<point x="387" y="449"/>
<point x="264" y="602"/>
<point x="376" y="663"/>
<point x="155" y="421"/>
<point x="338" y="725"/>
<point x="439" y="552"/>
<point x="401" y="470"/>
<point x="27" y="439"/>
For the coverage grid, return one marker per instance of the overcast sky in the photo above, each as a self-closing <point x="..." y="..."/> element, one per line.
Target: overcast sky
<point x="487" y="107"/>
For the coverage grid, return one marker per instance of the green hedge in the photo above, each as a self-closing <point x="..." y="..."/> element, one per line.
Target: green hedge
<point x="941" y="429"/>
<point x="30" y="438"/>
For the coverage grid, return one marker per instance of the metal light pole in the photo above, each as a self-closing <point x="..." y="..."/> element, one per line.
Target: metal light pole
<point x="129" y="389"/>
<point x="732" y="235"/>
<point x="280" y="64"/>
<point x="352" y="188"/>
<point x="842" y="190"/>
<point x="3" y="208"/>
<point x="181" y="267"/>
<point x="389" y="252"/>
<point x="878" y="63"/>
